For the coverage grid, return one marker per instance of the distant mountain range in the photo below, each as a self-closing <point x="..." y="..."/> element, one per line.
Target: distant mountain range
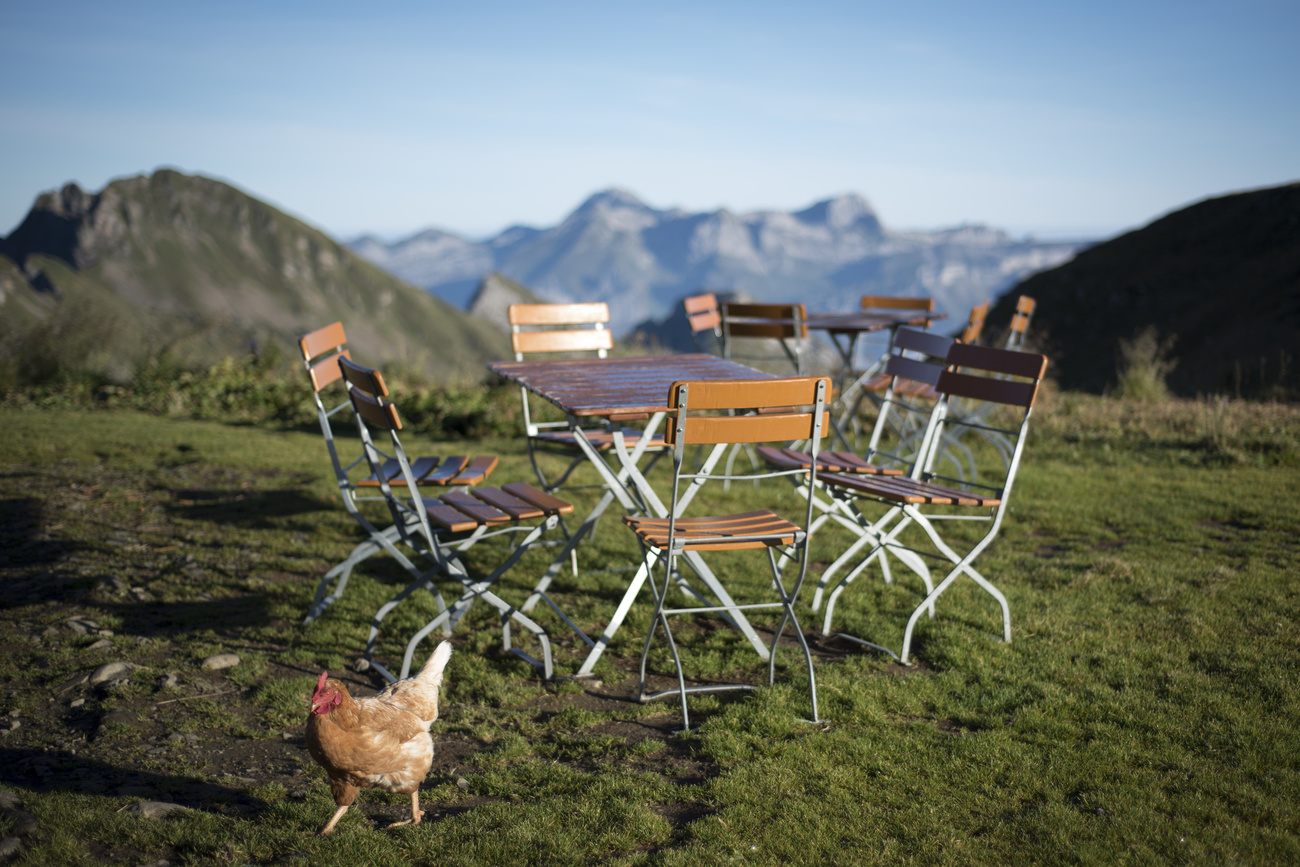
<point x="642" y="261"/>
<point x="1219" y="280"/>
<point x="199" y="269"/>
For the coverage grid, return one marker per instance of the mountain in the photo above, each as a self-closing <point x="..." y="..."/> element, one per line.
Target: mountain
<point x="1219" y="280"/>
<point x="200" y="269"/>
<point x="642" y="260"/>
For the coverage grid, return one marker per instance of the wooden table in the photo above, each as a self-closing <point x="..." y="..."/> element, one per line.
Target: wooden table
<point x="622" y="389"/>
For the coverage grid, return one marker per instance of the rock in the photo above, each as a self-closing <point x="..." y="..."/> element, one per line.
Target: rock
<point x="77" y="702"/>
<point x="153" y="809"/>
<point x="76" y="681"/>
<point x="111" y="671"/>
<point x="170" y="681"/>
<point x="462" y="782"/>
<point x="220" y="661"/>
<point x="9" y="800"/>
<point x="102" y="644"/>
<point x="81" y="626"/>
<point x="24" y="822"/>
<point x="9" y="846"/>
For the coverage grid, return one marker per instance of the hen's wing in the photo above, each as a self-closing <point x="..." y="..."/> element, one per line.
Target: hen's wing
<point x="385" y="745"/>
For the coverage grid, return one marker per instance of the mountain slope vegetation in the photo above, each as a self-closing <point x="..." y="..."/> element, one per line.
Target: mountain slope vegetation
<point x="193" y="268"/>
<point x="1217" y="283"/>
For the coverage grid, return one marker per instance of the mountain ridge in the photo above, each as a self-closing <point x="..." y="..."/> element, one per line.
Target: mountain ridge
<point x="202" y="269"/>
<point x="614" y="247"/>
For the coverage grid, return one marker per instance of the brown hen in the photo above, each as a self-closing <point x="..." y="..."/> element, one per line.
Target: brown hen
<point x="380" y="742"/>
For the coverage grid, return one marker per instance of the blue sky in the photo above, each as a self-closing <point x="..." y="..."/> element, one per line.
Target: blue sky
<point x="1045" y="118"/>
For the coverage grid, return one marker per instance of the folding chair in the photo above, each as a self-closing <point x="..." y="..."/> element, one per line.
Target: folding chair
<point x="784" y="323"/>
<point x="976" y="414"/>
<point x="705" y="318"/>
<point x="866" y="381"/>
<point x="694" y="418"/>
<point x="917" y="360"/>
<point x="440" y="530"/>
<point x="321" y="351"/>
<point x="565" y="328"/>
<point x="999" y="376"/>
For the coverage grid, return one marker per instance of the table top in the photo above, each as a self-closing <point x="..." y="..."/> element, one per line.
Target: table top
<point x="856" y="322"/>
<point x="621" y="388"/>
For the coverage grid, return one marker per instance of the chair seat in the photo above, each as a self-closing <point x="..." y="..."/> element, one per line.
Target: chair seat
<point x="720" y="533"/>
<point x="455" y="471"/>
<point x="463" y="511"/>
<point x="909" y="491"/>
<point x="827" y="462"/>
<point x="601" y="440"/>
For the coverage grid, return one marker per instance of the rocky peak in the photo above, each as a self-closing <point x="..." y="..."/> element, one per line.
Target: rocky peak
<point x="841" y="213"/>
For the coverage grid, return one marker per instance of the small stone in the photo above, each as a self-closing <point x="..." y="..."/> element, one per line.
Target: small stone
<point x="15" y="712"/>
<point x="170" y="681"/>
<point x="220" y="661"/>
<point x="82" y="626"/>
<point x="286" y="736"/>
<point x="77" y="702"/>
<point x="106" y="633"/>
<point x="9" y="846"/>
<point x="361" y="665"/>
<point x="9" y="800"/>
<point x="462" y="782"/>
<point x="102" y="644"/>
<point x="111" y="671"/>
<point x="15" y="725"/>
<point x="154" y="809"/>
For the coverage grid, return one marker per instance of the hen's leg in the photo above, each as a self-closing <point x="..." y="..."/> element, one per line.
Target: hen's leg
<point x="416" y="813"/>
<point x="329" y="828"/>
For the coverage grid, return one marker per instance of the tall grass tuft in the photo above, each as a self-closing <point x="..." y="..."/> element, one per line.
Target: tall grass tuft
<point x="1144" y="365"/>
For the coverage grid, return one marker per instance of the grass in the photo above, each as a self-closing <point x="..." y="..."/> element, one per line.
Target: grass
<point x="1144" y="711"/>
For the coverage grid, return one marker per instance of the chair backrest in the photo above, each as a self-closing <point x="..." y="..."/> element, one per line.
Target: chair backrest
<point x="889" y="302"/>
<point x="991" y="376"/>
<point x="704" y="316"/>
<point x="321" y="351"/>
<point x="1020" y="320"/>
<point x="368" y="394"/>
<point x="560" y="328"/>
<point x="915" y="363"/>
<point x="975" y="324"/>
<point x="722" y="413"/>
<point x="785" y="323"/>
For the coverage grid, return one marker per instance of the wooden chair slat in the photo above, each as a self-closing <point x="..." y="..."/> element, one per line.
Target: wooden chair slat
<point x="751" y="394"/>
<point x="985" y="388"/>
<point x="1008" y="362"/>
<point x="519" y="510"/>
<point x="887" y="302"/>
<point x="377" y="414"/>
<point x="748" y="428"/>
<point x="478" y="470"/>
<point x="322" y="340"/>
<point x="550" y="504"/>
<point x="559" y="314"/>
<point x="367" y="379"/>
<point x="706" y="302"/>
<point x="326" y="371"/>
<point x="585" y="340"/>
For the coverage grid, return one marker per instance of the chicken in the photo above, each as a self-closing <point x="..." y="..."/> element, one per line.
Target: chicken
<point x="379" y="742"/>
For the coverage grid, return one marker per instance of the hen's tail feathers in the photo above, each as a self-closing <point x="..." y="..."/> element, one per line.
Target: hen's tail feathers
<point x="432" y="671"/>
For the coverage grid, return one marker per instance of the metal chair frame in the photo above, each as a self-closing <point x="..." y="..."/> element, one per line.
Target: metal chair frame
<point x="1012" y="380"/>
<point x="463" y="519"/>
<point x="731" y="418"/>
<point x="321" y="351"/>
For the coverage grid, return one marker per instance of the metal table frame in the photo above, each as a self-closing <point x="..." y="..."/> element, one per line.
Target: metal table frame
<point x="623" y="389"/>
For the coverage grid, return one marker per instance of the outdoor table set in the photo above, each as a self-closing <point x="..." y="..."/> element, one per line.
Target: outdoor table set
<point x="710" y="403"/>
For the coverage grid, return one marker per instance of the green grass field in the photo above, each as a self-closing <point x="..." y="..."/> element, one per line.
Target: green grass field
<point x="1145" y="710"/>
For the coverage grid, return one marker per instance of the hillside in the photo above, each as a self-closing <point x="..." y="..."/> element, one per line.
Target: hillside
<point x="195" y="267"/>
<point x="1219" y="279"/>
<point x="642" y="260"/>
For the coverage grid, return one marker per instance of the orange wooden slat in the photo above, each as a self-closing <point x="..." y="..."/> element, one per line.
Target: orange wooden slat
<point x="475" y="508"/>
<point x="585" y="340"/>
<point x="558" y="314"/>
<point x="380" y="415"/>
<point x="326" y="371"/>
<point x="322" y="340"/>
<point x="704" y="303"/>
<point x="517" y="509"/>
<point x="478" y="470"/>
<point x="748" y="428"/>
<point x="889" y="302"/>
<point x="365" y="378"/>
<point x="749" y="394"/>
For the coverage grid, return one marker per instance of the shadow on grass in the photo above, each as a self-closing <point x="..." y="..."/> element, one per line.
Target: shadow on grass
<point x="246" y="509"/>
<point x="48" y="772"/>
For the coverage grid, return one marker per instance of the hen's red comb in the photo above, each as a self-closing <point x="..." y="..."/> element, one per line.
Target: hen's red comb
<point x="320" y="684"/>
